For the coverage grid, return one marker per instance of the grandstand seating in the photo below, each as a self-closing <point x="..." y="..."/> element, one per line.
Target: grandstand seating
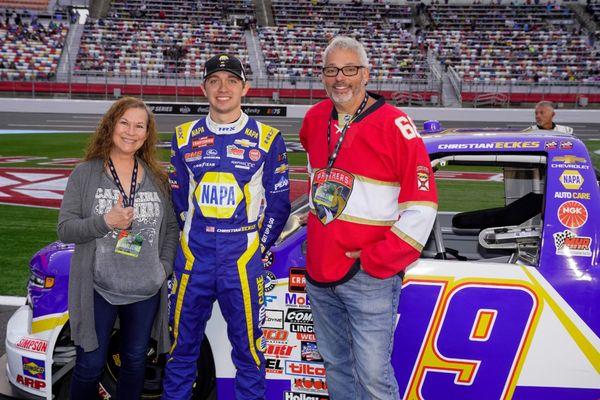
<point x="485" y="44"/>
<point x="339" y="14"/>
<point x="161" y="38"/>
<point x="594" y="9"/>
<point x="31" y="47"/>
<point x="293" y="48"/>
<point x="154" y="49"/>
<point x="527" y="43"/>
<point x="296" y="51"/>
<point x="484" y="17"/>
<point x="180" y="10"/>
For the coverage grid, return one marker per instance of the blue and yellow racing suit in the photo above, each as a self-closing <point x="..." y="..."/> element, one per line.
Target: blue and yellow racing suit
<point x="230" y="190"/>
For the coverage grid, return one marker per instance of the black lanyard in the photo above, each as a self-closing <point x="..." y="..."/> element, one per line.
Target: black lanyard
<point x="333" y="156"/>
<point x="127" y="201"/>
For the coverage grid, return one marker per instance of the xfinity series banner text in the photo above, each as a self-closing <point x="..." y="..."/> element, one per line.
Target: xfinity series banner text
<point x="202" y="109"/>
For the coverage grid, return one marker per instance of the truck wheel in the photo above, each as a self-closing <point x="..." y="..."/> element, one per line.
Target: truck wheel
<point x="205" y="366"/>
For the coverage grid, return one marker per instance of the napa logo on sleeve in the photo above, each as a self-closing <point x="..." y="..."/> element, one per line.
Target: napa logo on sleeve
<point x="218" y="195"/>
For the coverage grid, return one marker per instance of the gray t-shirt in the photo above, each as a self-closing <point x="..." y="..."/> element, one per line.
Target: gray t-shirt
<point x="123" y="279"/>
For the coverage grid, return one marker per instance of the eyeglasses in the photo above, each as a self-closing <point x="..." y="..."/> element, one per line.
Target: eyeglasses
<point x="348" y="70"/>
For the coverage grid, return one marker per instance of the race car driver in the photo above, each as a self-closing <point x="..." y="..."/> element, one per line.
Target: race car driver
<point x="544" y="116"/>
<point x="225" y="169"/>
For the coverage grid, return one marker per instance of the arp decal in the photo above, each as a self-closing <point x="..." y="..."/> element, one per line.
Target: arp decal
<point x="469" y="338"/>
<point x="31" y="383"/>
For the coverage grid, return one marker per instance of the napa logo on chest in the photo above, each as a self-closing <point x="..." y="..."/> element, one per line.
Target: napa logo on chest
<point x="218" y="195"/>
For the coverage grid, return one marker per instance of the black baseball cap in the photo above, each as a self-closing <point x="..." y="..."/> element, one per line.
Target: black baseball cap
<point x="224" y="62"/>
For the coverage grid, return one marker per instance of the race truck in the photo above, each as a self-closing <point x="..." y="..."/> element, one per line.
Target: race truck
<point x="504" y="302"/>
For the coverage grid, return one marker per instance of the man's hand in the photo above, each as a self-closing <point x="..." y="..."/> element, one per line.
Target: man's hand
<point x="119" y="217"/>
<point x="353" y="254"/>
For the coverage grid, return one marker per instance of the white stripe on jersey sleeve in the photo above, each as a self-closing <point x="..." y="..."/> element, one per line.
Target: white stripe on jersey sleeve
<point x="415" y="223"/>
<point x="373" y="201"/>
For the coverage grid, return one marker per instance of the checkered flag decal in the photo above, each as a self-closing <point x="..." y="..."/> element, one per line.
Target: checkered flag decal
<point x="559" y="238"/>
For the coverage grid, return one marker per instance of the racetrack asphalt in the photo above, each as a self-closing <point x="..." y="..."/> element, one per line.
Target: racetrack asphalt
<point x="166" y="123"/>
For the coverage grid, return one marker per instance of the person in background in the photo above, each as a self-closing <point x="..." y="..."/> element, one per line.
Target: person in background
<point x="544" y="115"/>
<point x="117" y="210"/>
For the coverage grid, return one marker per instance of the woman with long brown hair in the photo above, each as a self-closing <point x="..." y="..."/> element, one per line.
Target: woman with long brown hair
<point x="117" y="211"/>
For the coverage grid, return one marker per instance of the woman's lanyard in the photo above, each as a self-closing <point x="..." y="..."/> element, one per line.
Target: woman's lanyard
<point x="127" y="201"/>
<point x="333" y="156"/>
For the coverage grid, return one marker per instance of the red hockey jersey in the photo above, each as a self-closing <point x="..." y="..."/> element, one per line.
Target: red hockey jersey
<point x="379" y="197"/>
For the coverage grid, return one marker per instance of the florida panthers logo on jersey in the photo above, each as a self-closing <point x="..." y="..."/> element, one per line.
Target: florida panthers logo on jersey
<point x="330" y="193"/>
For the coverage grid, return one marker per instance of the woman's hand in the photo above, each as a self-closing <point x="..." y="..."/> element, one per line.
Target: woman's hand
<point x="119" y="217"/>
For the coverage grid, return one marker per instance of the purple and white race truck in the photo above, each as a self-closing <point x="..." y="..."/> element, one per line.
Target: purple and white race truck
<point x="503" y="304"/>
